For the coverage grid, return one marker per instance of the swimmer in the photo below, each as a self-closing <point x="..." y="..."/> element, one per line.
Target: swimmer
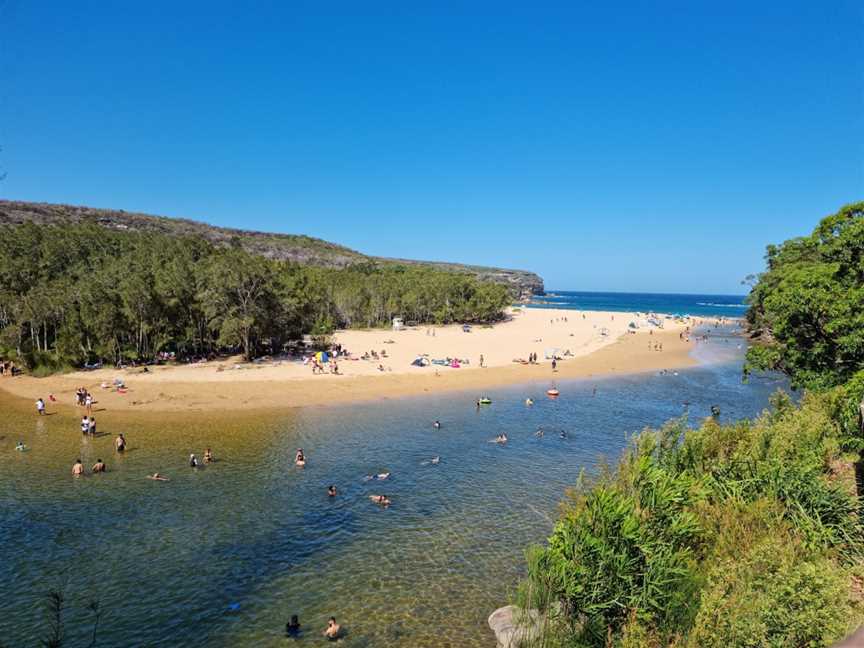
<point x="333" y="629"/>
<point x="331" y="491"/>
<point x="383" y="500"/>
<point x="208" y="456"/>
<point x="529" y="401"/>
<point x="563" y="434"/>
<point x="120" y="443"/>
<point x="292" y="628"/>
<point x="435" y="460"/>
<point x="157" y="477"/>
<point x="300" y="458"/>
<point x="501" y="438"/>
<point x="382" y="476"/>
<point x="99" y="467"/>
<point x="193" y="461"/>
<point x="539" y="433"/>
<point x="77" y="468"/>
<point x="20" y="447"/>
<point x="437" y="424"/>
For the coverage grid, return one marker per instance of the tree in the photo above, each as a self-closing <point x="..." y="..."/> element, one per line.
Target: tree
<point x="807" y="308"/>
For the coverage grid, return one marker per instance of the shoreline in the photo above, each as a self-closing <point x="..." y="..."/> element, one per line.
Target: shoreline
<point x="209" y="388"/>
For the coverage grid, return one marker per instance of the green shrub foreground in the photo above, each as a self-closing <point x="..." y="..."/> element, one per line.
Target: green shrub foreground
<point x="745" y="534"/>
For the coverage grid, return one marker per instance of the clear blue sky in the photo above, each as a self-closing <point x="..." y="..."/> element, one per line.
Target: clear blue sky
<point x="644" y="146"/>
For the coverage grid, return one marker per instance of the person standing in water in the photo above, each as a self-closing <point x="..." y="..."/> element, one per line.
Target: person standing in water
<point x="40" y="407"/>
<point x="77" y="468"/>
<point x="333" y="629"/>
<point x="99" y="467"/>
<point x="292" y="628"/>
<point x="120" y="443"/>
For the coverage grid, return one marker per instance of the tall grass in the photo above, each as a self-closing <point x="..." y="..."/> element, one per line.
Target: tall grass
<point x="747" y="534"/>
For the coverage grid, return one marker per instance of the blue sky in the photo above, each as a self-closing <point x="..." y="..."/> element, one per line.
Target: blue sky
<point x="640" y="146"/>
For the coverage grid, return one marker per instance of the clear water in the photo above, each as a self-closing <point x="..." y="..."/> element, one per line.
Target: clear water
<point x="699" y="305"/>
<point x="169" y="560"/>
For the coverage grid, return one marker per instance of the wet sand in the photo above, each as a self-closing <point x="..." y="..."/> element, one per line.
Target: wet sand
<point x="216" y="387"/>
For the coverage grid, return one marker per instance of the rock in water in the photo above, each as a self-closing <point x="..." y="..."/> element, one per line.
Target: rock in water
<point x="513" y="626"/>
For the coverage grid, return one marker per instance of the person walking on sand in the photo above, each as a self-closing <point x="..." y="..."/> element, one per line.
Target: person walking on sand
<point x="554" y="363"/>
<point x="481" y="360"/>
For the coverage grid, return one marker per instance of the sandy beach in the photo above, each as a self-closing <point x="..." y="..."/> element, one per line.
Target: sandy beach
<point x="590" y="343"/>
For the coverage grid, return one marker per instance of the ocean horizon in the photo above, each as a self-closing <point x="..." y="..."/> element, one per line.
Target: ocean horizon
<point x="703" y="305"/>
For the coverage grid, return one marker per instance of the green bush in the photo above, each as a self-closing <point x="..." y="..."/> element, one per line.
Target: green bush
<point x="775" y="594"/>
<point x="739" y="534"/>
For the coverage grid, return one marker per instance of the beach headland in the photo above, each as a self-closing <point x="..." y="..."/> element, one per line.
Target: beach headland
<point x="590" y="344"/>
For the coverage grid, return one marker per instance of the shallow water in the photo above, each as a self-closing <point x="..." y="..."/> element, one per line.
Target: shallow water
<point x="168" y="560"/>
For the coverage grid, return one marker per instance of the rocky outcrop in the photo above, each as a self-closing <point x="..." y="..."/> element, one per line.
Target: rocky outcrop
<point x="514" y="627"/>
<point x="304" y="250"/>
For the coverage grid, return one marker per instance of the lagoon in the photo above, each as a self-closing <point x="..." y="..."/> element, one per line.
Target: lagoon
<point x="223" y="556"/>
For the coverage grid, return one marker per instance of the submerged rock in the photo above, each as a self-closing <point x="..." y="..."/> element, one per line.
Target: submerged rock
<point x="514" y="626"/>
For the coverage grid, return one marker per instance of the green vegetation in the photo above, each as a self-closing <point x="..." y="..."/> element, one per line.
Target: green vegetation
<point x="808" y="307"/>
<point x="747" y="534"/>
<point x="81" y="293"/>
<point x="737" y="535"/>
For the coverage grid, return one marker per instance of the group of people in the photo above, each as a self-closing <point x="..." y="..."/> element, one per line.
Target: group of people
<point x="120" y="447"/>
<point x="332" y="632"/>
<point x="208" y="459"/>
<point x="8" y="368"/>
<point x="84" y="398"/>
<point x="88" y="425"/>
<point x="318" y="367"/>
<point x="98" y="467"/>
<point x="373" y="355"/>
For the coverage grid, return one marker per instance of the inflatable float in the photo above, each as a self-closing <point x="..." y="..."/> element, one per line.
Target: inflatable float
<point x="552" y="392"/>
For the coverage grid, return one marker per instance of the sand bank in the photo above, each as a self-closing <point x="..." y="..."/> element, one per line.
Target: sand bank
<point x="596" y="344"/>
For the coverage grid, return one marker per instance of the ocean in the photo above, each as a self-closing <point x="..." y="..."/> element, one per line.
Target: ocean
<point x="666" y="303"/>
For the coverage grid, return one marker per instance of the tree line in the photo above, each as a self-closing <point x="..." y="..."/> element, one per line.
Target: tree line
<point x="80" y="293"/>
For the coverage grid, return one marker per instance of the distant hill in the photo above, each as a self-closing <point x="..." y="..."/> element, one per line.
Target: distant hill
<point x="300" y="249"/>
